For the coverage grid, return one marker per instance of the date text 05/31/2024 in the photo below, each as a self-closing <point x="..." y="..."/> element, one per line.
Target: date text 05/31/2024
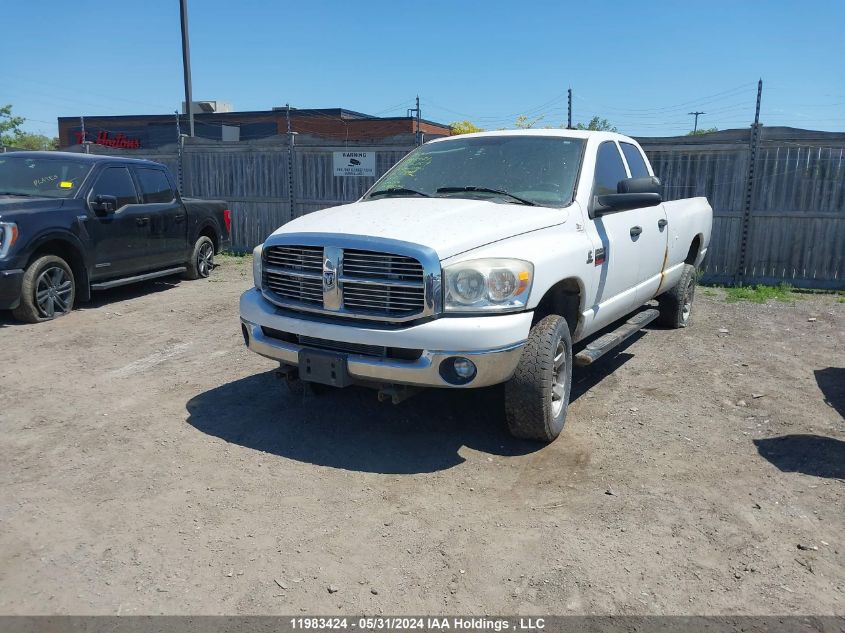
<point x="385" y="623"/>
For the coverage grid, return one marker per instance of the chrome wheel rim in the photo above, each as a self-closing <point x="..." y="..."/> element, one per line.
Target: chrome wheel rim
<point x="558" y="378"/>
<point x="205" y="259"/>
<point x="688" y="297"/>
<point x="53" y="292"/>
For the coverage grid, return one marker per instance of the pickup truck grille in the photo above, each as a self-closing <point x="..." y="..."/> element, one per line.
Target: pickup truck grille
<point x="345" y="282"/>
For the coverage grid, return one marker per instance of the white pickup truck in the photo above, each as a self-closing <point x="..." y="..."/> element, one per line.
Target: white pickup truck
<point x="477" y="260"/>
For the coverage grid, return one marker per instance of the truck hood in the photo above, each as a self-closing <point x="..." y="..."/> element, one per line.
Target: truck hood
<point x="20" y="205"/>
<point x="448" y="225"/>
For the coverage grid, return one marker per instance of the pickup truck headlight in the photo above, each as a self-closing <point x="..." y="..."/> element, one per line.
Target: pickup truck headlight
<point x="488" y="285"/>
<point x="8" y="236"/>
<point x="256" y="265"/>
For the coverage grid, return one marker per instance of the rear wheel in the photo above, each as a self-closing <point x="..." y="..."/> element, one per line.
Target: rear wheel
<point x="676" y="304"/>
<point x="537" y="396"/>
<point x="48" y="290"/>
<point x="201" y="262"/>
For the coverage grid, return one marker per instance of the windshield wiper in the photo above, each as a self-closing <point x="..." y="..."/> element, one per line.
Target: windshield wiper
<point x="398" y="191"/>
<point x="500" y="192"/>
<point x="17" y="193"/>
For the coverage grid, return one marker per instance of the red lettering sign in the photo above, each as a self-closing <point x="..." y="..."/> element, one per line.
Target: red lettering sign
<point x="121" y="141"/>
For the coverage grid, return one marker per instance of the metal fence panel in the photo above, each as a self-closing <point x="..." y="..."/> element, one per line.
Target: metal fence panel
<point x="797" y="220"/>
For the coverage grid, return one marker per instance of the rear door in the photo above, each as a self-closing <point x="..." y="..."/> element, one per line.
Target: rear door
<point x="651" y="257"/>
<point x="615" y="244"/>
<point x="119" y="238"/>
<point x="168" y="230"/>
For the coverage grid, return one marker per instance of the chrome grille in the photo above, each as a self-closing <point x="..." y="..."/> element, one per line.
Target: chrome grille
<point x="369" y="265"/>
<point x="345" y="282"/>
<point x="298" y="258"/>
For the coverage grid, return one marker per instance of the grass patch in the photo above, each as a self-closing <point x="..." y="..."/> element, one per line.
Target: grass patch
<point x="760" y="294"/>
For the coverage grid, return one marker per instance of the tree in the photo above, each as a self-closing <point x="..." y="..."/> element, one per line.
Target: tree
<point x="703" y="131"/>
<point x="12" y="135"/>
<point x="25" y="140"/>
<point x="464" y="127"/>
<point x="524" y="123"/>
<point x="9" y="125"/>
<point x="599" y="124"/>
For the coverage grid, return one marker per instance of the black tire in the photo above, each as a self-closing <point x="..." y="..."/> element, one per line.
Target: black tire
<point x="676" y="304"/>
<point x="201" y="262"/>
<point x="532" y="409"/>
<point x="50" y="279"/>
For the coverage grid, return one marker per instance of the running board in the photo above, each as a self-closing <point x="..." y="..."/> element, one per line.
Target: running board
<point x="105" y="285"/>
<point x="606" y="342"/>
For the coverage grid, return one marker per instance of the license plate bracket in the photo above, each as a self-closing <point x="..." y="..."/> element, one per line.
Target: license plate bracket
<point x="325" y="368"/>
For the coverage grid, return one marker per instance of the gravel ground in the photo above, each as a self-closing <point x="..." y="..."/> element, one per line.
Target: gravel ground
<point x="150" y="464"/>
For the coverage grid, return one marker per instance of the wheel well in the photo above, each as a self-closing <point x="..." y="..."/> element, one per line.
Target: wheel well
<point x="564" y="298"/>
<point x="694" y="249"/>
<point x="210" y="233"/>
<point x="73" y="257"/>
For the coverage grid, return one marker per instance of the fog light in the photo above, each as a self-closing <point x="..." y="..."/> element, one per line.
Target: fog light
<point x="457" y="370"/>
<point x="464" y="368"/>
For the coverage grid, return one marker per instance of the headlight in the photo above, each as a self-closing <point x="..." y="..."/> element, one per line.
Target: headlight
<point x="256" y="265"/>
<point x="8" y="236"/>
<point x="488" y="285"/>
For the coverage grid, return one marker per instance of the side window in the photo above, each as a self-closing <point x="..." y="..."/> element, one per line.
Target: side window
<point x="636" y="163"/>
<point x="155" y="187"/>
<point x="115" y="181"/>
<point x="609" y="169"/>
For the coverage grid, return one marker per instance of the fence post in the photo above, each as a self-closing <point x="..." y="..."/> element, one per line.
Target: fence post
<point x="739" y="277"/>
<point x="291" y="173"/>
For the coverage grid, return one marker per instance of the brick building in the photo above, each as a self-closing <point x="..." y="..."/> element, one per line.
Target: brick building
<point x="151" y="131"/>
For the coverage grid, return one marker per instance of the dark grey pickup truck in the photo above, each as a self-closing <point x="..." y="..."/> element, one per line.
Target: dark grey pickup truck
<point x="73" y="223"/>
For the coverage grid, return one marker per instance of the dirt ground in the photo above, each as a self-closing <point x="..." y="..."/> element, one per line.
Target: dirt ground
<point x="151" y="464"/>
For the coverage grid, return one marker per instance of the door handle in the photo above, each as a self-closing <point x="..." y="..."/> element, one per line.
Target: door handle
<point x="142" y="221"/>
<point x="636" y="230"/>
<point x="179" y="219"/>
<point x="661" y="224"/>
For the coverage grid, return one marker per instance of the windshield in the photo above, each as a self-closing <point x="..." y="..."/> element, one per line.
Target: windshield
<point x="46" y="177"/>
<point x="537" y="170"/>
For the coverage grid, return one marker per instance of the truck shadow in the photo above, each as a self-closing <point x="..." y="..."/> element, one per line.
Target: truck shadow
<point x="350" y="429"/>
<point x="814" y="455"/>
<point x="100" y="298"/>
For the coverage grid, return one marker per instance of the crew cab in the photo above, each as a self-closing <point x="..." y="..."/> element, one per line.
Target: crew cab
<point x="477" y="260"/>
<point x="73" y="223"/>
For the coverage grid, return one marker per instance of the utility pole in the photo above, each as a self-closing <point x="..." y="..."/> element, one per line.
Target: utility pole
<point x="418" y="137"/>
<point x="186" y="64"/>
<point x="696" y="115"/>
<point x="569" y="110"/>
<point x="85" y="142"/>
<point x="749" y="189"/>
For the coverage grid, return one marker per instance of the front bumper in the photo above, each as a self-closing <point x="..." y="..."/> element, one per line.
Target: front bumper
<point x="10" y="288"/>
<point x="493" y="343"/>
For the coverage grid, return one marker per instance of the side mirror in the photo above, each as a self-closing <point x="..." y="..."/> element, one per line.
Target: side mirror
<point x="631" y="193"/>
<point x="104" y="204"/>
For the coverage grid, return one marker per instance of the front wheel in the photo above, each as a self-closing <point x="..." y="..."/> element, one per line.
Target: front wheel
<point x="537" y="396"/>
<point x="201" y="262"/>
<point x="47" y="292"/>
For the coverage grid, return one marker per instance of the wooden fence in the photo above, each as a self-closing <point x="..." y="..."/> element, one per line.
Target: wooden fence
<point x="793" y="211"/>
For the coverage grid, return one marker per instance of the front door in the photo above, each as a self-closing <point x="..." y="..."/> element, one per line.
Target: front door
<point x="119" y="238"/>
<point x="615" y="244"/>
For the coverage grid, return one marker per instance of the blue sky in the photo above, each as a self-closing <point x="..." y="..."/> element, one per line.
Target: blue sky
<point x="643" y="66"/>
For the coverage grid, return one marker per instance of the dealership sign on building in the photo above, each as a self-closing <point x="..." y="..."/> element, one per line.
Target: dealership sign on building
<point x="354" y="163"/>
